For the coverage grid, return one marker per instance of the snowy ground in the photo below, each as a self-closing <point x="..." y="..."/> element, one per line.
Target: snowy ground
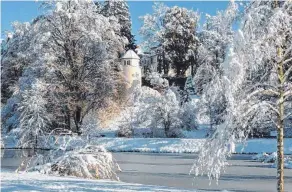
<point x="11" y="181"/>
<point x="170" y="145"/>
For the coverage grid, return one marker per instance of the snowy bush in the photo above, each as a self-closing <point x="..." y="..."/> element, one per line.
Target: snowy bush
<point x="92" y="162"/>
<point x="288" y="163"/>
<point x="272" y="158"/>
<point x="157" y="81"/>
<point x="260" y="157"/>
<point x="125" y="130"/>
<point x="9" y="114"/>
<point x="89" y="162"/>
<point x="265" y="158"/>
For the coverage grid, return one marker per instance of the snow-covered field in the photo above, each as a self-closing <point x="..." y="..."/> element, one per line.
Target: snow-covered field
<point x="11" y="181"/>
<point x="156" y="145"/>
<point x="169" y="145"/>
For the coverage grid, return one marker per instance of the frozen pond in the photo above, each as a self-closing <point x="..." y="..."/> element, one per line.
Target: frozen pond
<point x="173" y="170"/>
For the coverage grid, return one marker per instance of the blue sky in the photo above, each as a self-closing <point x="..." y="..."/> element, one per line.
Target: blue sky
<point x="24" y="11"/>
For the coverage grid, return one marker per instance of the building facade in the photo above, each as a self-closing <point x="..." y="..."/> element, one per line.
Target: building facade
<point x="131" y="69"/>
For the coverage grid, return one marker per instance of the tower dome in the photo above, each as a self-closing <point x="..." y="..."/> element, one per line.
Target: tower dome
<point x="130" y="54"/>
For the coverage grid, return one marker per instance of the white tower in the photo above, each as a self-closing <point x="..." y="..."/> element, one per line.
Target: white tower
<point x="132" y="69"/>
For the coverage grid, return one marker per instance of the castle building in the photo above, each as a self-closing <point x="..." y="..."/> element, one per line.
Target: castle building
<point x="131" y="69"/>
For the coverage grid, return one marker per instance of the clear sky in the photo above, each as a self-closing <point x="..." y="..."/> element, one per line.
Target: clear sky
<point x="25" y="11"/>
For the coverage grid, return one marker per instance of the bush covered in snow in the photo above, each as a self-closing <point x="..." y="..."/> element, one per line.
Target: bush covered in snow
<point x="157" y="81"/>
<point x="287" y="163"/>
<point x="260" y="157"/>
<point x="88" y="162"/>
<point x="125" y="130"/>
<point x="71" y="155"/>
<point x="272" y="158"/>
<point x="265" y="158"/>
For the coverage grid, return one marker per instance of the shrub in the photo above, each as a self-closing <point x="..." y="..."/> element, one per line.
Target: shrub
<point x="92" y="162"/>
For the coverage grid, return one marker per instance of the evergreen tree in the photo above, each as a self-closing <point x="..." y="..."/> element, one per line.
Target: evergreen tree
<point x="120" y="9"/>
<point x="180" y="41"/>
<point x="173" y="32"/>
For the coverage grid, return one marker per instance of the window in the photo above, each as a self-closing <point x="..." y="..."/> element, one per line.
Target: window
<point x="125" y="62"/>
<point x="128" y="62"/>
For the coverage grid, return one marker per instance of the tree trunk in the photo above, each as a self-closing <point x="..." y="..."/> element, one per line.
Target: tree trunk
<point x="280" y="128"/>
<point x="78" y="120"/>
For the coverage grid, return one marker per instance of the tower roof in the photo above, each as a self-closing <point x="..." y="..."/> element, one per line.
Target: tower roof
<point x="130" y="54"/>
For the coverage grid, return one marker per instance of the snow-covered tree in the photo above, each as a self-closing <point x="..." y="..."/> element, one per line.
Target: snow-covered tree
<point x="258" y="81"/>
<point x="138" y="111"/>
<point x="81" y="48"/>
<point x="173" y="30"/>
<point x="213" y="102"/>
<point x="98" y="7"/>
<point x="188" y="115"/>
<point x="75" y="51"/>
<point x="16" y="55"/>
<point x="120" y="10"/>
<point x="165" y="114"/>
<point x="21" y="67"/>
<point x="34" y="120"/>
<point x="153" y="27"/>
<point x="215" y="37"/>
<point x="158" y="112"/>
<point x="179" y="38"/>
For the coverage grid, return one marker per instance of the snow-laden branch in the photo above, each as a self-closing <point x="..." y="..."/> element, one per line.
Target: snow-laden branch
<point x="263" y="92"/>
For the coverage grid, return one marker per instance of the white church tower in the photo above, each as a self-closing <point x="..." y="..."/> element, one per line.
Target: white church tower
<point x="132" y="69"/>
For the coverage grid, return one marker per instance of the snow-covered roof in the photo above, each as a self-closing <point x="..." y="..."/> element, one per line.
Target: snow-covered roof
<point x="130" y="54"/>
